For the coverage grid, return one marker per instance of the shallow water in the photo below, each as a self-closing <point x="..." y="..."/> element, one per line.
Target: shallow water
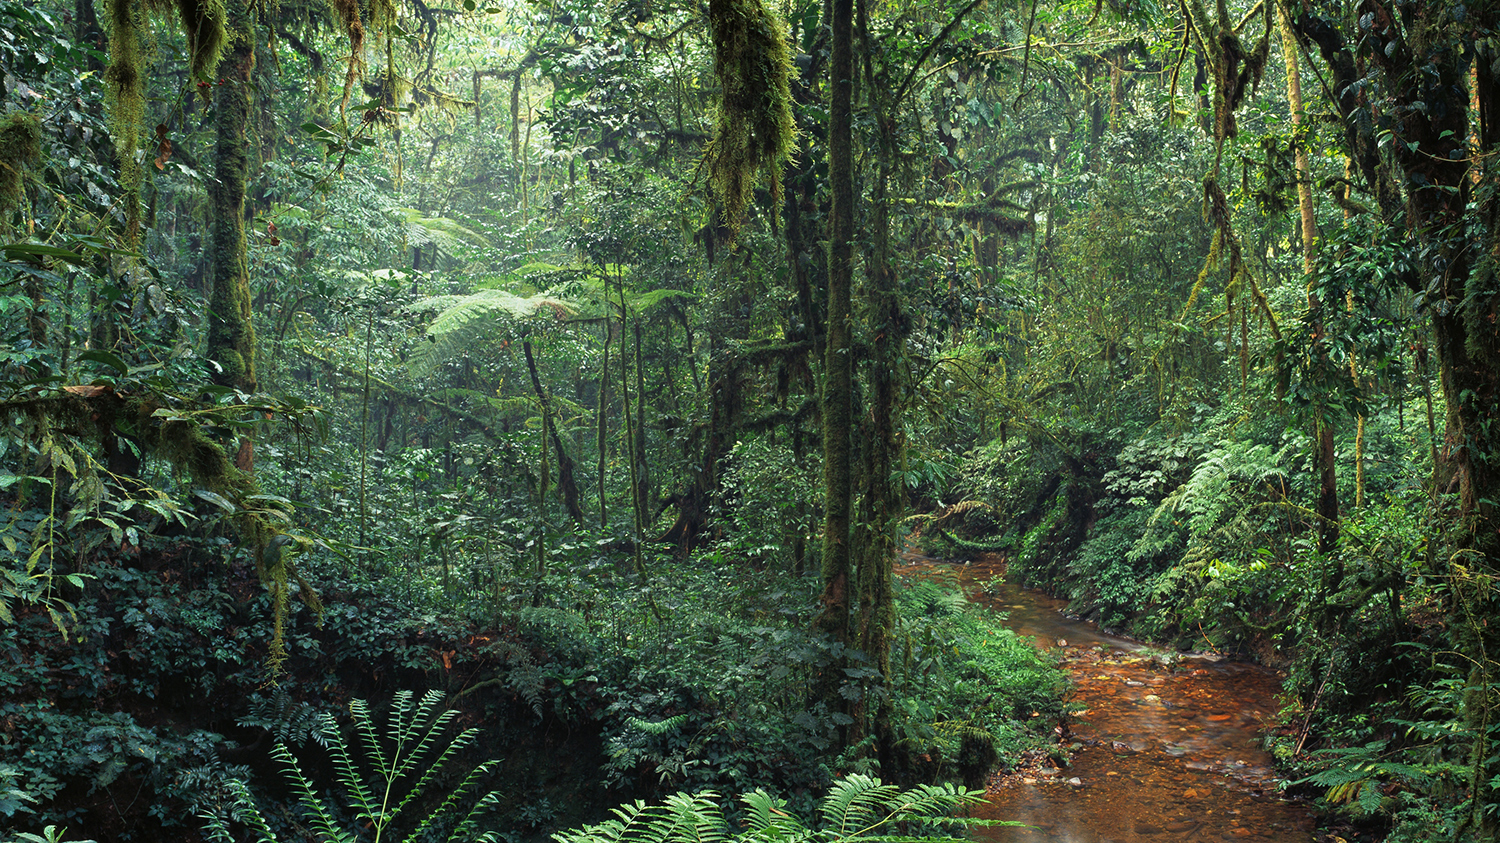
<point x="1166" y="743"/>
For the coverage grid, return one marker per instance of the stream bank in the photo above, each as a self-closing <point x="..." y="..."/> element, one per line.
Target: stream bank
<point x="1163" y="746"/>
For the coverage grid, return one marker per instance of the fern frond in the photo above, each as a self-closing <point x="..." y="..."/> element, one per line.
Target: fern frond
<point x="458" y="744"/>
<point x="660" y="727"/>
<point x="343" y="764"/>
<point x="695" y="818"/>
<point x="421" y="726"/>
<point x="855" y="805"/>
<point x="464" y="320"/>
<point x="455" y="796"/>
<point x="768" y="821"/>
<point x="446" y="234"/>
<point x="466" y="829"/>
<point x="313" y="806"/>
<point x="241" y="808"/>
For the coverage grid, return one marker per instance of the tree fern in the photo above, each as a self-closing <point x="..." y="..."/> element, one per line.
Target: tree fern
<point x="463" y="321"/>
<point x="447" y="235"/>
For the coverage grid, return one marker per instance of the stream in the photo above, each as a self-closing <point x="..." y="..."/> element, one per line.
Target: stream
<point x="1166" y="745"/>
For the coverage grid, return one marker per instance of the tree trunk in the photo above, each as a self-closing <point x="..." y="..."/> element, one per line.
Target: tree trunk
<point x="603" y="410"/>
<point x="566" y="484"/>
<point x="231" y="335"/>
<point x="838" y="385"/>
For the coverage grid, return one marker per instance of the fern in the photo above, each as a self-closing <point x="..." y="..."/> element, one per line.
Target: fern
<point x="857" y="808"/>
<point x="660" y="727"/>
<point x="1355" y="773"/>
<point x="400" y="767"/>
<point x="287" y="720"/>
<point x="447" y="235"/>
<point x="462" y="321"/>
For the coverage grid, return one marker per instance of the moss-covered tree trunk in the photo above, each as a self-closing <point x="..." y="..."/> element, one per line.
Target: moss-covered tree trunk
<point x="231" y="336"/>
<point x="838" y="371"/>
<point x="882" y="498"/>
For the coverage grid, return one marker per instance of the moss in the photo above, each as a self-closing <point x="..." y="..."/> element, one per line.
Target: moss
<point x="204" y="23"/>
<point x="754" y="135"/>
<point x="20" y="148"/>
<point x="127" y="107"/>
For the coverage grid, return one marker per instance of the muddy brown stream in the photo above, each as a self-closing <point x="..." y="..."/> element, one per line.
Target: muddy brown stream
<point x="1167" y="745"/>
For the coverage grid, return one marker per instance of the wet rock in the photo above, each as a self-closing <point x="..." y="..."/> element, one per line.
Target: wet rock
<point x="1190" y="794"/>
<point x="1134" y="684"/>
<point x="1076" y="782"/>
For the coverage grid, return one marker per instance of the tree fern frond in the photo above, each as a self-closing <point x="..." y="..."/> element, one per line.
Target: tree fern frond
<point x="448" y="235"/>
<point x="464" y="320"/>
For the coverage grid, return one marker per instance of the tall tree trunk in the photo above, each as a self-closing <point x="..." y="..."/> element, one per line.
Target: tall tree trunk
<point x="838" y="373"/>
<point x="882" y="498"/>
<point x="231" y="335"/>
<point x="642" y="467"/>
<point x="1323" y="441"/>
<point x="603" y="411"/>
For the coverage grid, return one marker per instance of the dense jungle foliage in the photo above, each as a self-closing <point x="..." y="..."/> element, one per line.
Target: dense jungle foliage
<point x="528" y="404"/>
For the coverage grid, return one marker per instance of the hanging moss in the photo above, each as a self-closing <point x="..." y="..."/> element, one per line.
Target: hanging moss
<point x="20" y="148"/>
<point x="754" y="135"/>
<point x="382" y="13"/>
<point x="204" y="23"/>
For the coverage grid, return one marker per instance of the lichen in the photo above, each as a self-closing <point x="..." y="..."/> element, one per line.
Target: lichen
<point x="754" y="134"/>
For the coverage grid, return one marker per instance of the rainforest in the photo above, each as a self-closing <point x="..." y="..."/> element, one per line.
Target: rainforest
<point x="750" y="421"/>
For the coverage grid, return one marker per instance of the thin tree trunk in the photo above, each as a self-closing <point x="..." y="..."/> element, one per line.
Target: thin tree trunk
<point x="1323" y="440"/>
<point x="565" y="481"/>
<point x="603" y="411"/>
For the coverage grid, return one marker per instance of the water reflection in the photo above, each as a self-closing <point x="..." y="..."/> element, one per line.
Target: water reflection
<point x="1165" y="747"/>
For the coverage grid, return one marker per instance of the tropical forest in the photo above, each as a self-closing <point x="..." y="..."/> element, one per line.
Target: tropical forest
<point x="750" y="421"/>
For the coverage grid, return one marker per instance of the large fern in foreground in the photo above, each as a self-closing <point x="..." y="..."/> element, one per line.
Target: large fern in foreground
<point x="857" y="808"/>
<point x="384" y="777"/>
